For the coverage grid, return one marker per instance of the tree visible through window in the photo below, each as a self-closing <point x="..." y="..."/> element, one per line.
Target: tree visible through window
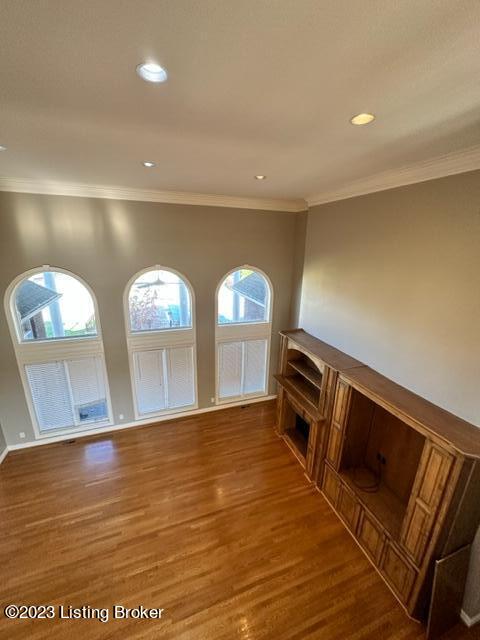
<point x="157" y="300"/>
<point x="244" y="296"/>
<point x="52" y="305"/>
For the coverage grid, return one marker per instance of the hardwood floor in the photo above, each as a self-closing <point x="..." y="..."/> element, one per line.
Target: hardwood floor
<point x="208" y="517"/>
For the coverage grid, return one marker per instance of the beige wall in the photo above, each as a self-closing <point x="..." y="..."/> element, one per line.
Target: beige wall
<point x="106" y="242"/>
<point x="393" y="279"/>
<point x="299" y="257"/>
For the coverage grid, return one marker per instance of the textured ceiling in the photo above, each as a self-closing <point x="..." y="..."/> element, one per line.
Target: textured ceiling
<point x="255" y="86"/>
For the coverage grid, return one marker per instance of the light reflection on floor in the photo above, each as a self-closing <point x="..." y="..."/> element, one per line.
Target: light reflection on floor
<point x="102" y="452"/>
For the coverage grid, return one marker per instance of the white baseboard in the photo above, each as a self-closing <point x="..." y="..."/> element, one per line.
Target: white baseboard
<point x="129" y="425"/>
<point x="3" y="455"/>
<point x="468" y="620"/>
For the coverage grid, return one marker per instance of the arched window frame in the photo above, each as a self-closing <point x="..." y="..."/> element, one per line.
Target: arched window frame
<point x="241" y="332"/>
<point x="157" y="339"/>
<point x="54" y="349"/>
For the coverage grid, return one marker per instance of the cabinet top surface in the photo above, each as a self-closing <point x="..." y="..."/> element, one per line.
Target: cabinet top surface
<point x="452" y="430"/>
<point x="331" y="356"/>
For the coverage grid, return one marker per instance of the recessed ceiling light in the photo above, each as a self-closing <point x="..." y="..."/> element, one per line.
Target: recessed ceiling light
<point x="260" y="177"/>
<point x="152" y="72"/>
<point x="362" y="118"/>
<point x="149" y="164"/>
<point x="3" y="147"/>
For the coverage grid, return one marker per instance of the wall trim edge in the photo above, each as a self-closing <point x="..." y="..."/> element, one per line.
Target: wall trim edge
<point x="135" y="423"/>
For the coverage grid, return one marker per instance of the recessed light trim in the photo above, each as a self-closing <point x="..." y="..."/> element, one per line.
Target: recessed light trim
<point x="260" y="177"/>
<point x="362" y="118"/>
<point x="3" y="147"/>
<point x="152" y="72"/>
<point x="149" y="164"/>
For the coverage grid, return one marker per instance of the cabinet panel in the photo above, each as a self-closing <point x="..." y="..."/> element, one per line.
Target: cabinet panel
<point x="342" y="399"/>
<point x="330" y="485"/>
<point x="311" y="449"/>
<point x="371" y="537"/>
<point x="417" y="533"/>
<point x="399" y="574"/>
<point x="334" y="445"/>
<point x="348" y="508"/>
<point x="427" y="494"/>
<point x="434" y="479"/>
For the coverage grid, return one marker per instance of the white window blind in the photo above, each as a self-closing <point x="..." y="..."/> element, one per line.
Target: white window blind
<point x="149" y="381"/>
<point x="230" y="369"/>
<point x="164" y="379"/>
<point x="255" y="365"/>
<point x="68" y="393"/>
<point x="50" y="395"/>
<point x="180" y="376"/>
<point x="242" y="368"/>
<point x="87" y="382"/>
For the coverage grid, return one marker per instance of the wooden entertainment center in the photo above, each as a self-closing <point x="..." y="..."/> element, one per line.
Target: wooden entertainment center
<point x="402" y="474"/>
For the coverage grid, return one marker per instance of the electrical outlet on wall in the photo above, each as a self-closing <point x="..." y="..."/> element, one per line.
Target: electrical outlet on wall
<point x="121" y="416"/>
<point x="212" y="400"/>
<point x="21" y="434"/>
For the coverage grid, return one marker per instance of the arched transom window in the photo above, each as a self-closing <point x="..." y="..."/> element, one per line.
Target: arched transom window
<point x="243" y="296"/>
<point x="159" y="299"/>
<point x="51" y="304"/>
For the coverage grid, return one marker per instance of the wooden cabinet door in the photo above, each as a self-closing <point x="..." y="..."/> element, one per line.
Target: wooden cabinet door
<point x="398" y="572"/>
<point x="339" y="418"/>
<point x="330" y="485"/>
<point x="348" y="508"/>
<point x="371" y="537"/>
<point x="429" y="487"/>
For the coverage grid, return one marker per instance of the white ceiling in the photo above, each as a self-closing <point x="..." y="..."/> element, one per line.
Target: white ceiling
<point x="255" y="86"/>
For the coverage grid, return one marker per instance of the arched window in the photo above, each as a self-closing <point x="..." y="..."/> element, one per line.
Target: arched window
<point x="159" y="314"/>
<point x="243" y="332"/>
<point x="53" y="304"/>
<point x="54" y="324"/>
<point x="158" y="300"/>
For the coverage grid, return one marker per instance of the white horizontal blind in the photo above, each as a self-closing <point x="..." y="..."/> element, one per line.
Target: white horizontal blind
<point x="164" y="379"/>
<point x="255" y="366"/>
<point x="87" y="383"/>
<point x="242" y="368"/>
<point x="149" y="380"/>
<point x="68" y="393"/>
<point x="50" y="395"/>
<point x="180" y="377"/>
<point x="230" y="356"/>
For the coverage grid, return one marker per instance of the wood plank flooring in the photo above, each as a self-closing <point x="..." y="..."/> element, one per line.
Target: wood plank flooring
<point x="208" y="517"/>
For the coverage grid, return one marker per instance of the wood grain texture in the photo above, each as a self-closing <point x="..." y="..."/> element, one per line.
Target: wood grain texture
<point x="209" y="517"/>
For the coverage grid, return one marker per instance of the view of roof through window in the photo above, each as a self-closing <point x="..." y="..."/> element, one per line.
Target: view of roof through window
<point x="159" y="300"/>
<point x="243" y="297"/>
<point x="54" y="305"/>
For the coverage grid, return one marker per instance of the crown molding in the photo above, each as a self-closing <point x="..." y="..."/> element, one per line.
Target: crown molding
<point x="20" y="185"/>
<point x="439" y="167"/>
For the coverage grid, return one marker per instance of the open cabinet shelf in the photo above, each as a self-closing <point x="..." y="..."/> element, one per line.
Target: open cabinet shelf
<point x="305" y="370"/>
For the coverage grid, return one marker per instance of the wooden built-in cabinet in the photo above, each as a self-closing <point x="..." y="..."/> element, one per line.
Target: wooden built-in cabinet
<point x="402" y="474"/>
